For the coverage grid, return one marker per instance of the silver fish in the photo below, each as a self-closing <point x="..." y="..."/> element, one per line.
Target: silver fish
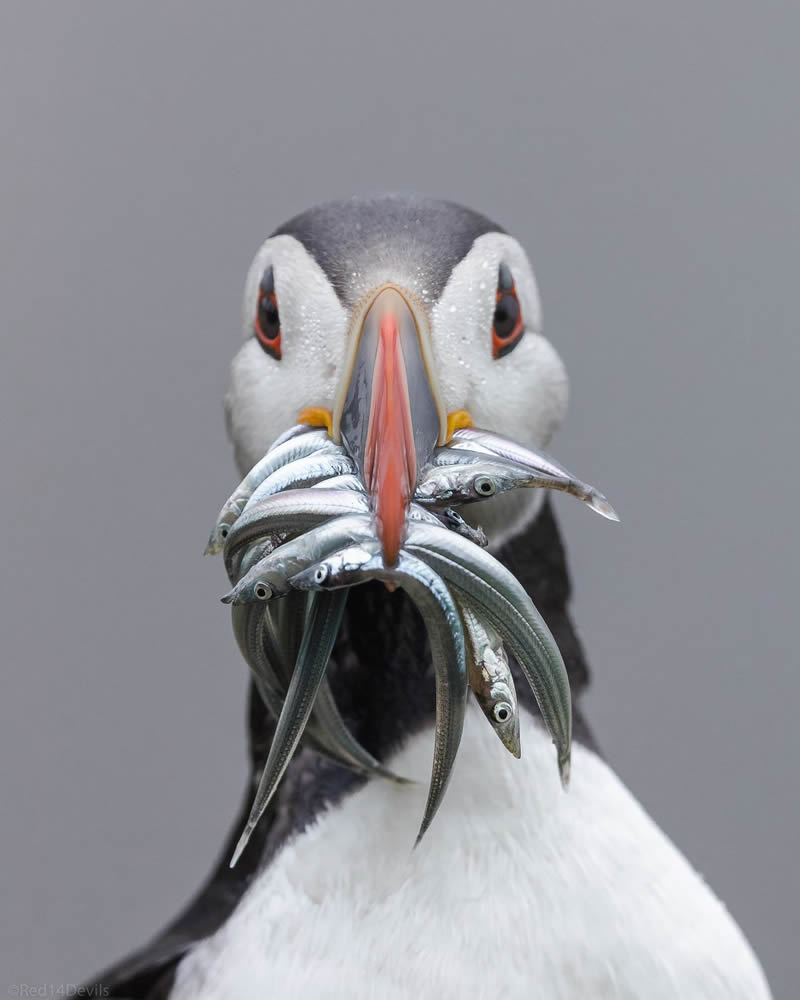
<point x="453" y="454"/>
<point x="346" y="482"/>
<point x="292" y="432"/>
<point x="418" y="512"/>
<point x="257" y="643"/>
<point x="258" y="550"/>
<point x="456" y="484"/>
<point x="289" y="623"/>
<point x="342" y="568"/>
<point x="288" y="450"/>
<point x="445" y="633"/>
<point x="327" y="729"/>
<point x="303" y="472"/>
<point x="490" y="678"/>
<point x="484" y="582"/>
<point x="284" y="515"/>
<point x="455" y="522"/>
<point x="474" y="439"/>
<point x="269" y="578"/>
<point x="324" y="619"/>
<point x="326" y="732"/>
<point x="248" y="629"/>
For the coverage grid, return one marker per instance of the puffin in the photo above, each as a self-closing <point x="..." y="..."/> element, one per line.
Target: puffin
<point x="520" y="889"/>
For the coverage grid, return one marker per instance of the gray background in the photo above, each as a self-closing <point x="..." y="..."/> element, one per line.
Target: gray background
<point x="645" y="154"/>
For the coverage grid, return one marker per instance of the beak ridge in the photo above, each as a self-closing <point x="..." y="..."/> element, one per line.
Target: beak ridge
<point x="388" y="410"/>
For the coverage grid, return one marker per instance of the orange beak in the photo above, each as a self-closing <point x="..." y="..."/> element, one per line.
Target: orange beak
<point x="387" y="410"/>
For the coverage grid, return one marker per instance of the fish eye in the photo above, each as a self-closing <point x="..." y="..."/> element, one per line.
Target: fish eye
<point x="484" y="486"/>
<point x="502" y="711"/>
<point x="267" y="322"/>
<point x="320" y="574"/>
<point x="507" y="326"/>
<point x="262" y="591"/>
<point x="224" y="530"/>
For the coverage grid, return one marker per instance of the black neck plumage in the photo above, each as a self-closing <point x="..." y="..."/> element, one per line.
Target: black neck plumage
<point x="382" y="680"/>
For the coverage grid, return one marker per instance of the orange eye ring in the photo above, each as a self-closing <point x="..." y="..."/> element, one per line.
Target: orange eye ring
<point x="267" y="325"/>
<point x="507" y="325"/>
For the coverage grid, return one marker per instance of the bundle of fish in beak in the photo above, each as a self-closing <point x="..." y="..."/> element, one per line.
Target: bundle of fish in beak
<point x="371" y="491"/>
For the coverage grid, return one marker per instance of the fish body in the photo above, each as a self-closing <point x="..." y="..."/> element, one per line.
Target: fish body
<point x="289" y="448"/>
<point x="269" y="578"/>
<point x="362" y="527"/>
<point x="480" y="580"/>
<point x="445" y="485"/>
<point x="292" y="432"/>
<point x="345" y="482"/>
<point x="476" y="440"/>
<point x="248" y="629"/>
<point x="451" y="519"/>
<point x="490" y="678"/>
<point x="283" y="515"/>
<point x="255" y="636"/>
<point x="472" y="440"/>
<point x="328" y="732"/>
<point x="432" y="597"/>
<point x="324" y="619"/>
<point x="308" y="471"/>
<point x="458" y="454"/>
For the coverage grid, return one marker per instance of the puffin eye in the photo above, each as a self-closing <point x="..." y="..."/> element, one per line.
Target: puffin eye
<point x="507" y="328"/>
<point x="267" y="324"/>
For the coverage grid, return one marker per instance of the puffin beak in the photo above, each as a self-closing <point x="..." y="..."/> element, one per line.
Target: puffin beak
<point x="388" y="411"/>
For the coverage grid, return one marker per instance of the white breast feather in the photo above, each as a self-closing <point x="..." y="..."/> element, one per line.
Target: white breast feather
<point x="518" y="891"/>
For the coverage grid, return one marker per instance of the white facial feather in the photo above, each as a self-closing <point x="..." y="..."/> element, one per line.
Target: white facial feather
<point x="522" y="395"/>
<point x="264" y="395"/>
<point x="518" y="890"/>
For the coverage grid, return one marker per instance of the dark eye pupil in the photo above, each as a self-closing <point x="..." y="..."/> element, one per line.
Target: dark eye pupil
<point x="268" y="318"/>
<point x="506" y="314"/>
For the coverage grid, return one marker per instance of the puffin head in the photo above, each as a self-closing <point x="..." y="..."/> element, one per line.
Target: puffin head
<point x="392" y="321"/>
